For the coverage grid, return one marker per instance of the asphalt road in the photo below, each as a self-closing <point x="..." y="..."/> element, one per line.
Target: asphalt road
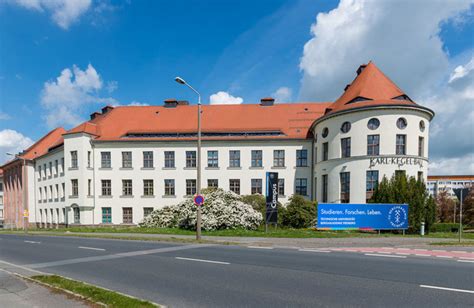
<point x="179" y="275"/>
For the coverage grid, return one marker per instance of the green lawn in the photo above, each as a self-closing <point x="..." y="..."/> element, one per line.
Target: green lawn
<point x="279" y="232"/>
<point x="94" y="294"/>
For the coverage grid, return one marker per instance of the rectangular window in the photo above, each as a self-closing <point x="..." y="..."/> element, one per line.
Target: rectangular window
<point x="77" y="215"/>
<point x="56" y="167"/>
<point x="212" y="159"/>
<point x="420" y="176"/>
<point x="345" y="186"/>
<point x="278" y="158"/>
<point x="399" y="173"/>
<point x="325" y="151"/>
<point x="45" y="172"/>
<point x="64" y="191"/>
<point x="169" y="159"/>
<point x="148" y="188"/>
<point x="281" y="187"/>
<point x="234" y="185"/>
<point x="345" y="147"/>
<point x="234" y="159"/>
<point x="127" y="215"/>
<point x="148" y="159"/>
<point x="50" y="192"/>
<point x="147" y="211"/>
<point x="127" y="188"/>
<point x="39" y="173"/>
<point x="106" y="215"/>
<point x="169" y="187"/>
<point x="127" y="160"/>
<point x="301" y="158"/>
<point x="421" y="146"/>
<point x="324" y="184"/>
<point x="40" y="194"/>
<point x="88" y="159"/>
<point x="256" y="186"/>
<point x="372" y="180"/>
<point x="50" y="169"/>
<point x="301" y="187"/>
<point x="56" y="192"/>
<point x="212" y="183"/>
<point x="190" y="159"/>
<point x="257" y="157"/>
<point x="401" y="145"/>
<point x="190" y="187"/>
<point x="105" y="160"/>
<point x="373" y="144"/>
<point x="106" y="187"/>
<point x="62" y="165"/>
<point x="89" y="187"/>
<point x="74" y="188"/>
<point x="73" y="160"/>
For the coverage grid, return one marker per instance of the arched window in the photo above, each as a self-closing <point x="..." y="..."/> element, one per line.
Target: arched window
<point x="346" y="127"/>
<point x="422" y="126"/>
<point x="401" y="123"/>
<point x="373" y="124"/>
<point x="325" y="132"/>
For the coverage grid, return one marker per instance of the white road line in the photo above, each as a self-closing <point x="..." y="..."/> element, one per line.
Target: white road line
<point x="201" y="260"/>
<point x="402" y="253"/>
<point x="22" y="267"/>
<point x="32" y="242"/>
<point x="447" y="257"/>
<point x="466" y="261"/>
<point x="259" y="247"/>
<point x="91" y="248"/>
<point x="446" y="289"/>
<point x="422" y="255"/>
<point x="441" y="250"/>
<point x="459" y="251"/>
<point x="464" y="258"/>
<point x="314" y="250"/>
<point x="388" y="256"/>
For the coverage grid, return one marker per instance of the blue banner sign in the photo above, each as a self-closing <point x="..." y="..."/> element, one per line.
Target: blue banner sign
<point x="340" y="216"/>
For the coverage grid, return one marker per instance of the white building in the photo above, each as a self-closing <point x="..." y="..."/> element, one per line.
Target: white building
<point x="438" y="183"/>
<point x="1" y="198"/>
<point x="126" y="161"/>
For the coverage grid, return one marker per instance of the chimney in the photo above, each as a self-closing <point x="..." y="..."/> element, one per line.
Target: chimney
<point x="95" y="115"/>
<point x="267" y="101"/>
<point x="170" y="103"/>
<point x="183" y="103"/>
<point x="360" y="69"/>
<point x="107" y="109"/>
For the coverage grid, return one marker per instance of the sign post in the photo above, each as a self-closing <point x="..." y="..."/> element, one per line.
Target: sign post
<point x="371" y="216"/>
<point x="461" y="193"/>
<point x="26" y="214"/>
<point x="271" y="214"/>
<point x="199" y="200"/>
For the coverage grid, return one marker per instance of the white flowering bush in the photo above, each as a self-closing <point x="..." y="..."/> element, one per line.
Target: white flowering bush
<point x="221" y="210"/>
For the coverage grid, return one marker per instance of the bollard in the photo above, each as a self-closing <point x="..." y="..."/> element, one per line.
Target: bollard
<point x="422" y="230"/>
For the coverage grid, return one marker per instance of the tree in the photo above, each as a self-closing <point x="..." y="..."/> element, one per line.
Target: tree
<point x="468" y="208"/>
<point x="300" y="213"/>
<point x="445" y="207"/>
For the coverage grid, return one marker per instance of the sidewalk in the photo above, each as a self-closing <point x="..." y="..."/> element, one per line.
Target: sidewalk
<point x="17" y="292"/>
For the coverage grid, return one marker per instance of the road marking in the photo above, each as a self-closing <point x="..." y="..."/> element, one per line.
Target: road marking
<point x="402" y="253"/>
<point x="379" y="255"/>
<point x="22" y="267"/>
<point x="422" y="255"/>
<point x="201" y="260"/>
<point x="32" y="242"/>
<point x="91" y="248"/>
<point x="464" y="258"/>
<point x="447" y="257"/>
<point x="466" y="261"/>
<point x="446" y="289"/>
<point x="259" y="247"/>
<point x="459" y="251"/>
<point x="441" y="250"/>
<point x="314" y="250"/>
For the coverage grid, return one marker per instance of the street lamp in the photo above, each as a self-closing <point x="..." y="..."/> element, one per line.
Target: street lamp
<point x="23" y="188"/>
<point x="198" y="163"/>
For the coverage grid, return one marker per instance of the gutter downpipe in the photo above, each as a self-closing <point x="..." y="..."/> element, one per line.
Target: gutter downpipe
<point x="93" y="180"/>
<point x="313" y="193"/>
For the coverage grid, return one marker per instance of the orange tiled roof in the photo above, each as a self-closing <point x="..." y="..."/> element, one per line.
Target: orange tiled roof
<point x="372" y="88"/>
<point x="42" y="146"/>
<point x="292" y="119"/>
<point x="451" y="177"/>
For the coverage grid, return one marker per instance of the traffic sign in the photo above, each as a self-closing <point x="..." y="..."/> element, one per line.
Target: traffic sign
<point x="26" y="213"/>
<point x="199" y="200"/>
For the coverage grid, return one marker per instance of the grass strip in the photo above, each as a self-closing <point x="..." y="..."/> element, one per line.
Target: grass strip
<point x="94" y="294"/>
<point x="463" y="243"/>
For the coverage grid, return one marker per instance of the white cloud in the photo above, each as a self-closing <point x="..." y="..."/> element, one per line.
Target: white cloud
<point x="64" y="98"/>
<point x="446" y="166"/>
<point x="13" y="142"/>
<point x="224" y="98"/>
<point x="63" y="12"/>
<point x="402" y="38"/>
<point x="111" y="86"/>
<point x="462" y="70"/>
<point x="135" y="103"/>
<point x="4" y="116"/>
<point x="282" y="95"/>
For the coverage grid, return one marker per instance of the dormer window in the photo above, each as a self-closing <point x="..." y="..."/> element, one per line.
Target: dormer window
<point x="402" y="98"/>
<point x="358" y="99"/>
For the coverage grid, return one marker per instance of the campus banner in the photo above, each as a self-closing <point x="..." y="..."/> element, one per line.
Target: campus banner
<point x="340" y="216"/>
<point x="271" y="216"/>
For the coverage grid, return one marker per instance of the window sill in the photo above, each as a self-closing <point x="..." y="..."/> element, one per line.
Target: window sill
<point x="276" y="167"/>
<point x="302" y="166"/>
<point x="126" y="196"/>
<point x="90" y="196"/>
<point x="189" y="168"/>
<point x="234" y="168"/>
<point x="168" y="196"/>
<point x="256" y="168"/>
<point x="73" y="168"/>
<point x="168" y="168"/>
<point x="189" y="196"/>
<point x="212" y="168"/>
<point x="148" y="196"/>
<point x="147" y="168"/>
<point x="105" y="168"/>
<point x="73" y="197"/>
<point x="105" y="196"/>
<point x="126" y="168"/>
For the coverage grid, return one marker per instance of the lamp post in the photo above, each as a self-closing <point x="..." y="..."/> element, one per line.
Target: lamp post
<point x="198" y="163"/>
<point x="23" y="190"/>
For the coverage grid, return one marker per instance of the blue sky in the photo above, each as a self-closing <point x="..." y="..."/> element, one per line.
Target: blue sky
<point x="243" y="49"/>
